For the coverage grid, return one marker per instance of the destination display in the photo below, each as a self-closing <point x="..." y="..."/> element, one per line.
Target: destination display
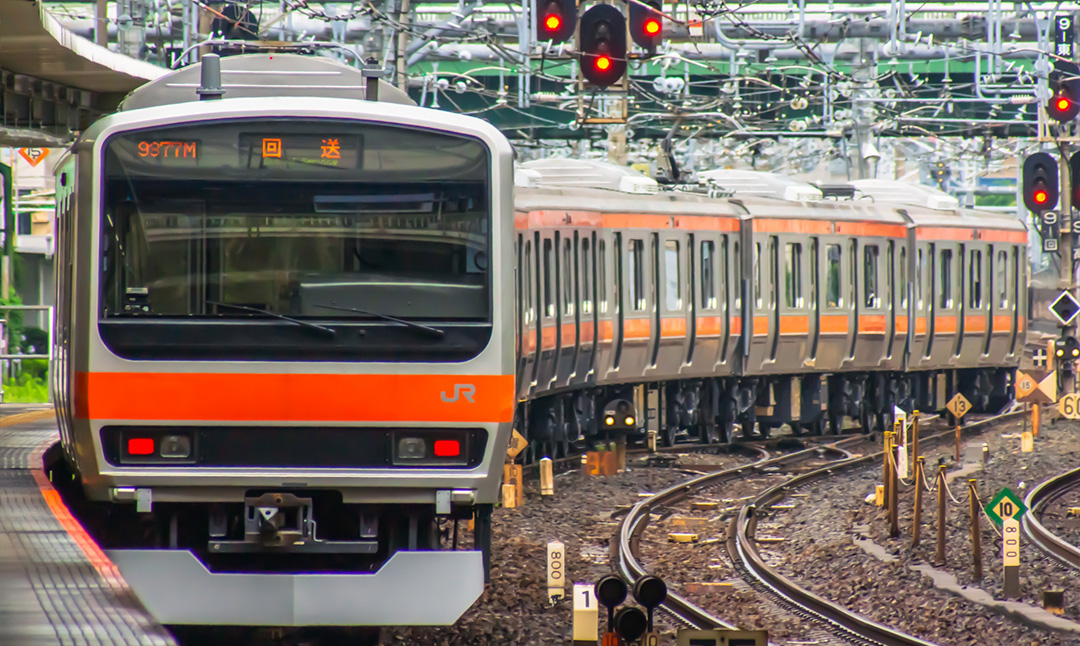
<point x="300" y="151"/>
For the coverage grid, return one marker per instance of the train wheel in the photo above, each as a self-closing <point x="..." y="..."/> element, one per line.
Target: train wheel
<point x="836" y="424"/>
<point x="796" y="428"/>
<point x="667" y="435"/>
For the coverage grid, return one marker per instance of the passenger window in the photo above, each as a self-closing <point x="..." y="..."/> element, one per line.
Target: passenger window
<point x="853" y="283"/>
<point x="774" y="272"/>
<point x="586" y="292"/>
<point x="903" y="278"/>
<point x="724" y="273"/>
<point x="637" y="276"/>
<point x="549" y="307"/>
<point x="832" y="277"/>
<point x="526" y="278"/>
<point x="757" y="275"/>
<point x="793" y="275"/>
<point x="870" y="276"/>
<point x="919" y="278"/>
<point x="1002" y="280"/>
<point x="568" y="278"/>
<point x="736" y="262"/>
<point x="708" y="280"/>
<point x="672" y="297"/>
<point x="945" y="272"/>
<point x="975" y="280"/>
<point x="602" y="277"/>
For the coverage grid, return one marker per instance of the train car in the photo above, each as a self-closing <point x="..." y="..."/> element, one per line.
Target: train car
<point x="771" y="306"/>
<point x="283" y="372"/>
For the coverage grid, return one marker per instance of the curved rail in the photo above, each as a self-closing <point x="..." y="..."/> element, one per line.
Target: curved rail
<point x="841" y="618"/>
<point x="632" y="527"/>
<point x="836" y="615"/>
<point x="1050" y="543"/>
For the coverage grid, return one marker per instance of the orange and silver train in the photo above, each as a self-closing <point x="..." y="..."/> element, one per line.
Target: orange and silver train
<point x="283" y="369"/>
<point x="296" y="325"/>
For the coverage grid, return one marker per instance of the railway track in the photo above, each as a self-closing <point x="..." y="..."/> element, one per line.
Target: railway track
<point x="837" y="619"/>
<point x="1038" y="499"/>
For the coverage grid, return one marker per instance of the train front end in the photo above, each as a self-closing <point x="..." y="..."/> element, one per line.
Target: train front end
<point x="287" y="365"/>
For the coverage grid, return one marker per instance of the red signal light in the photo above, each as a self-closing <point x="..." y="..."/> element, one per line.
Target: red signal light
<point x="1041" y="196"/>
<point x="652" y="27"/>
<point x="553" y="22"/>
<point x="603" y="63"/>
<point x="140" y="446"/>
<point x="1062" y="103"/>
<point x="447" y="448"/>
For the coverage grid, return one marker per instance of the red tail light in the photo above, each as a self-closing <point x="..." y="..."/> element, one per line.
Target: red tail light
<point x="140" y="446"/>
<point x="447" y="448"/>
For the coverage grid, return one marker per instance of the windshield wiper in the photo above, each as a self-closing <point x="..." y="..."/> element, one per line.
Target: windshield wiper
<point x="435" y="332"/>
<point x="321" y="328"/>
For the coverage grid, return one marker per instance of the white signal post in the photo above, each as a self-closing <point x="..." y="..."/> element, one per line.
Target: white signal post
<point x="1010" y="552"/>
<point x="586" y="614"/>
<point x="556" y="571"/>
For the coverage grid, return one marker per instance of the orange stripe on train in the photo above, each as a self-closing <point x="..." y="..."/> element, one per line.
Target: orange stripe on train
<point x="294" y="397"/>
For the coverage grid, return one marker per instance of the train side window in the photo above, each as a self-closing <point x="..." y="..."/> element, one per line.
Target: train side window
<point x="526" y="277"/>
<point x="903" y="278"/>
<point x="946" y="279"/>
<point x="833" y="254"/>
<point x="568" y="277"/>
<point x="919" y="278"/>
<point x="736" y="283"/>
<point x="793" y="280"/>
<point x="708" y="279"/>
<point x="853" y="284"/>
<point x="757" y="275"/>
<point x="1002" y="281"/>
<point x="586" y="293"/>
<point x="672" y="280"/>
<point x="774" y="272"/>
<point x="549" y="306"/>
<point x="602" y="276"/>
<point x="870" y="276"/>
<point x="975" y="279"/>
<point x="637" y="275"/>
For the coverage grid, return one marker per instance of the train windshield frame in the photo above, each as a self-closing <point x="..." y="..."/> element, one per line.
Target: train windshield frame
<point x="243" y="238"/>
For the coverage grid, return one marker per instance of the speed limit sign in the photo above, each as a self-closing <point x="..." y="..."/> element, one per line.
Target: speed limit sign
<point x="1069" y="406"/>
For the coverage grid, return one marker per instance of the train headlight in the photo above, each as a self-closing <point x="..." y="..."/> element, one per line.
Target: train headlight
<point x="411" y="448"/>
<point x="175" y="447"/>
<point x="609" y="420"/>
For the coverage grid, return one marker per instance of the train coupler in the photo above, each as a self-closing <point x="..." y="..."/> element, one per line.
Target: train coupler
<point x="284" y="522"/>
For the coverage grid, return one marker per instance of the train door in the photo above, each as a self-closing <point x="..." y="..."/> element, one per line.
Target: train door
<point x="962" y="307"/>
<point x="688" y="298"/>
<point x="814" y="323"/>
<point x="774" y="301"/>
<point x="853" y="296"/>
<point x="618" y="293"/>
<point x="654" y="293"/>
<point x="571" y="326"/>
<point x="1001" y="319"/>
<point x="588" y="329"/>
<point x="890" y="296"/>
<point x="931" y="297"/>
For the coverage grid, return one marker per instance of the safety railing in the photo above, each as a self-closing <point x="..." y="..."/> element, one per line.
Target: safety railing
<point x="8" y="358"/>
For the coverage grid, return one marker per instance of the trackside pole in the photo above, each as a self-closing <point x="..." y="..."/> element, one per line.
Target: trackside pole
<point x="917" y="524"/>
<point x="941" y="515"/>
<point x="885" y="479"/>
<point x="976" y="538"/>
<point x="894" y="500"/>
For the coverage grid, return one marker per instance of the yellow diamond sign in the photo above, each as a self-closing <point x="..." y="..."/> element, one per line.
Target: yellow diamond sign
<point x="517" y="445"/>
<point x="958" y="406"/>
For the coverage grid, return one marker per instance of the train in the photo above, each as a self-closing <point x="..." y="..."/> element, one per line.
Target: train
<point x="298" y="318"/>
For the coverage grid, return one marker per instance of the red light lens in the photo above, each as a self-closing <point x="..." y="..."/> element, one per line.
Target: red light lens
<point x="553" y="22"/>
<point x="140" y="446"/>
<point x="447" y="448"/>
<point x="1040" y="197"/>
<point x="1062" y="103"/>
<point x="652" y="27"/>
<point x="603" y="63"/>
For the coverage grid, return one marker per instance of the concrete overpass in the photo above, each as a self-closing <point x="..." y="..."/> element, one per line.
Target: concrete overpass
<point x="54" y="83"/>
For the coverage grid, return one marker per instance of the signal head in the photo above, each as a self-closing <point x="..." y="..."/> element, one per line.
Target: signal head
<point x="1040" y="182"/>
<point x="646" y="23"/>
<point x="602" y="43"/>
<point x="1063" y="107"/>
<point x="552" y="22"/>
<point x="555" y="20"/>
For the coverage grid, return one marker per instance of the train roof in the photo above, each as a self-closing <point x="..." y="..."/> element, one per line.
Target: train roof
<point x="264" y="75"/>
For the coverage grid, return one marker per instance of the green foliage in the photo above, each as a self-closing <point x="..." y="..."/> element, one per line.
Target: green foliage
<point x="995" y="200"/>
<point x="30" y="385"/>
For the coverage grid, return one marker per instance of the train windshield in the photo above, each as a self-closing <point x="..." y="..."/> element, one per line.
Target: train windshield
<point x="310" y="220"/>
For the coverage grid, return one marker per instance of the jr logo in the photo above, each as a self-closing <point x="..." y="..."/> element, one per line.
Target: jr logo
<point x="460" y="390"/>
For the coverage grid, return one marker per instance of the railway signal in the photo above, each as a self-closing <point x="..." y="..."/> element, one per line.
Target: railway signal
<point x="1074" y="178"/>
<point x="646" y="23"/>
<point x="1040" y="182"/>
<point x="1064" y="103"/>
<point x="602" y="41"/>
<point x="555" y="20"/>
